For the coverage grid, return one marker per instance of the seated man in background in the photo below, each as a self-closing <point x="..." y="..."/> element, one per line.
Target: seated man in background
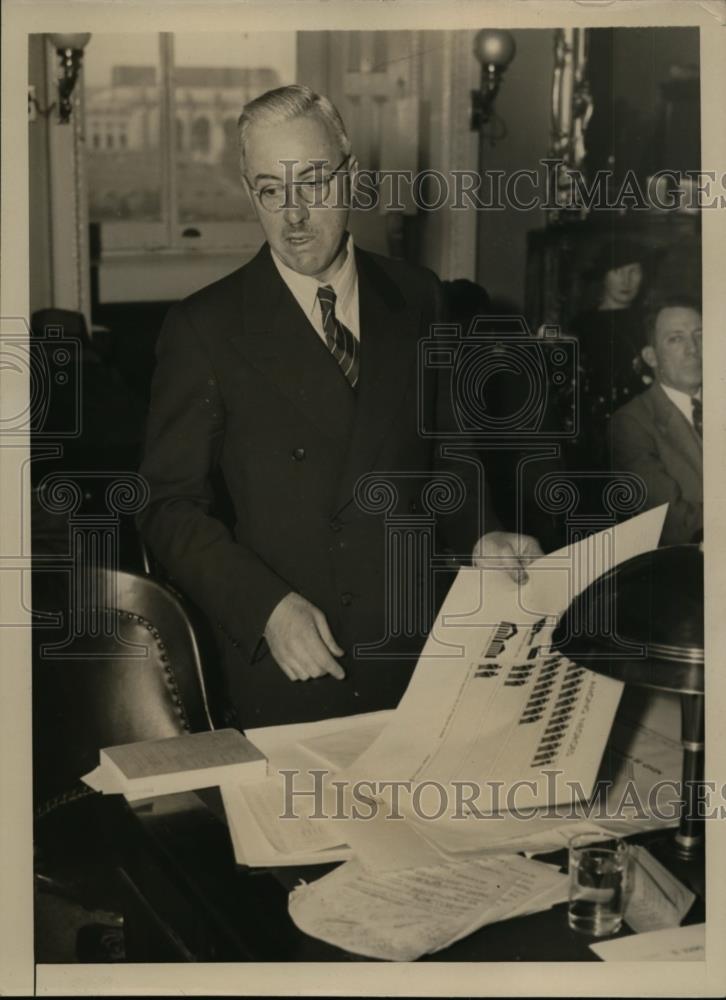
<point x="658" y="434"/>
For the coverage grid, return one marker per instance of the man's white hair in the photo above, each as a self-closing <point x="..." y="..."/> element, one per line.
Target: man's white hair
<point x="282" y="104"/>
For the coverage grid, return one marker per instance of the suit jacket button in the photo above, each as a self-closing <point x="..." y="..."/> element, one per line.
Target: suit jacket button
<point x="298" y="454"/>
<point x="335" y="525"/>
<point x="346" y="600"/>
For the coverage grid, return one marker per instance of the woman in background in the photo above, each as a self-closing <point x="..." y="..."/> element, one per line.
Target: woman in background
<point x="610" y="337"/>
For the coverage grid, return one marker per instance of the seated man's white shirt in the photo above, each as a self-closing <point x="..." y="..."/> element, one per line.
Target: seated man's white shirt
<point x="682" y="400"/>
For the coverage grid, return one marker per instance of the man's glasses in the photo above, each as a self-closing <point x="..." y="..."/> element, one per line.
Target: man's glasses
<point x="275" y="197"/>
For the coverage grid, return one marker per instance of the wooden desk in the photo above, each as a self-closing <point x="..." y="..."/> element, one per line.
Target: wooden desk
<point x="187" y="900"/>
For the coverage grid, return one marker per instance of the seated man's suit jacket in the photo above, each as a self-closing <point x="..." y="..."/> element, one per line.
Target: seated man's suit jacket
<point x="245" y="387"/>
<point x="650" y="436"/>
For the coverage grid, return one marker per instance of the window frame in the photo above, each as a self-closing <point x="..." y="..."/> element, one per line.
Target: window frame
<point x="169" y="235"/>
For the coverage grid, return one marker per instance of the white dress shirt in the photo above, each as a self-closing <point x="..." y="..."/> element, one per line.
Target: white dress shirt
<point x="344" y="283"/>
<point x="682" y="400"/>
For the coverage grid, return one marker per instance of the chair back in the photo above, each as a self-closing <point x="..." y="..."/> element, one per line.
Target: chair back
<point x="116" y="664"/>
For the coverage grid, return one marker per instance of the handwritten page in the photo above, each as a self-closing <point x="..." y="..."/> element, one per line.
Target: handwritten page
<point x="489" y="698"/>
<point x="679" y="944"/>
<point x="403" y="915"/>
<point x="657" y="900"/>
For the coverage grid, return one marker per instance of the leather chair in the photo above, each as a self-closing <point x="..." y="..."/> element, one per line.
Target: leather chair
<point x="133" y="672"/>
<point x="119" y="663"/>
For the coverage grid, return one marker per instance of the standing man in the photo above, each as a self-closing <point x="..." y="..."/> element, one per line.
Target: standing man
<point x="659" y="433"/>
<point x="293" y="377"/>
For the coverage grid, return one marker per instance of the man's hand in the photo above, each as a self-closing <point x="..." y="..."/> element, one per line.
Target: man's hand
<point x="508" y="551"/>
<point x="299" y="638"/>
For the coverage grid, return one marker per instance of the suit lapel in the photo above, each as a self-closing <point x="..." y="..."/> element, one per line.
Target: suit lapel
<point x="674" y="426"/>
<point x="278" y="340"/>
<point x="387" y="363"/>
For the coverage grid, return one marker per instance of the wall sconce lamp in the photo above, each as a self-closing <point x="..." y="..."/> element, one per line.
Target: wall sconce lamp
<point x="70" y="53"/>
<point x="494" y="49"/>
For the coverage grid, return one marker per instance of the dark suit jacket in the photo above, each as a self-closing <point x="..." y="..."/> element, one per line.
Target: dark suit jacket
<point x="650" y="436"/>
<point x="245" y="386"/>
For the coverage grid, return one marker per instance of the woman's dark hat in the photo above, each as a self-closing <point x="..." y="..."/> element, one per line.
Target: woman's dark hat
<point x="616" y="253"/>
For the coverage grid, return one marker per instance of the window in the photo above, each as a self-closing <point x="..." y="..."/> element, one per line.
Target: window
<point x="200" y="135"/>
<point x="161" y="120"/>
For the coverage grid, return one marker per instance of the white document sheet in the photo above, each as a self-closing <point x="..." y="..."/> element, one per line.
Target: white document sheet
<point x="334" y="743"/>
<point x="384" y="844"/>
<point x="402" y="915"/>
<point x="658" y="899"/>
<point x="678" y="944"/>
<point x="499" y="707"/>
<point x="636" y="754"/>
<point x="488" y="699"/>
<point x="262" y="837"/>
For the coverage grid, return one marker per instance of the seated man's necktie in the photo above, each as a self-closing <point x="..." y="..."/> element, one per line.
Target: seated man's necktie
<point x="341" y="342"/>
<point x="697" y="412"/>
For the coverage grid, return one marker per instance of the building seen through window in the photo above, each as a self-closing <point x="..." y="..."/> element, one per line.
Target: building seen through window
<point x="169" y="92"/>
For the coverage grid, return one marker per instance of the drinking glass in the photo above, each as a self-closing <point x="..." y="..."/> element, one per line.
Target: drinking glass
<point x="599" y="884"/>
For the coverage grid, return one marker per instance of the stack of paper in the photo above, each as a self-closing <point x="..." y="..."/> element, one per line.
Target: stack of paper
<point x="680" y="944"/>
<point x="638" y="758"/>
<point x="177" y="764"/>
<point x="262" y="835"/>
<point x="492" y="707"/>
<point x="403" y="915"/>
<point x="331" y="743"/>
<point x="262" y="829"/>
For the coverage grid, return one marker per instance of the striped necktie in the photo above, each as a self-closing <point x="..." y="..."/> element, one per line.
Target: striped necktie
<point x="342" y="344"/>
<point x="697" y="412"/>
